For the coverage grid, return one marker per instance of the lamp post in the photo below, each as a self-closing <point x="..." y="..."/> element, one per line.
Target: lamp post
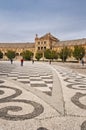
<point x="85" y="56"/>
<point x="63" y="53"/>
<point x="43" y="55"/>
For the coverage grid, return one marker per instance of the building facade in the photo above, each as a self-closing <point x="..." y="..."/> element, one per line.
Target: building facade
<point x="47" y="41"/>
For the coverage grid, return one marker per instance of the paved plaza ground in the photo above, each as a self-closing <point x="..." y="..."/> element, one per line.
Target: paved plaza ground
<point x="42" y="96"/>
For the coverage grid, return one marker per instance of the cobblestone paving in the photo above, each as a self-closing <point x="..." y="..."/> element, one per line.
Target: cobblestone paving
<point x="74" y="92"/>
<point x="18" y="107"/>
<point x="39" y="77"/>
<point x="22" y="109"/>
<point x="74" y="66"/>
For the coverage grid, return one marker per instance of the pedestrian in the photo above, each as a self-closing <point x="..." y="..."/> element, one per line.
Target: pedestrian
<point x="82" y="61"/>
<point x="11" y="61"/>
<point x="32" y="61"/>
<point x="50" y="62"/>
<point x="22" y="62"/>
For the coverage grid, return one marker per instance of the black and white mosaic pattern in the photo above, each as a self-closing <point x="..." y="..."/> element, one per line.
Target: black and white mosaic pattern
<point x="83" y="126"/>
<point x="42" y="128"/>
<point x="4" y="112"/>
<point x="38" y="77"/>
<point x="77" y="83"/>
<point x="6" y="68"/>
<point x="16" y="107"/>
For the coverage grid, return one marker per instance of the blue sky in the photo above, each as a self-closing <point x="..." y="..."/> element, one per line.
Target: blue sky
<point x="20" y="20"/>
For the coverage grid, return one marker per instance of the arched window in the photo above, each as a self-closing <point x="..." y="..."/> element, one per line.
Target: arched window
<point x="38" y="48"/>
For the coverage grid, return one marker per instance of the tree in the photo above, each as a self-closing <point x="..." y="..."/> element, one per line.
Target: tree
<point x="64" y="53"/>
<point x="54" y="55"/>
<point x="27" y="55"/>
<point x="1" y="55"/>
<point x="47" y="54"/>
<point x="10" y="54"/>
<point x="78" y="52"/>
<point x="50" y="54"/>
<point x="39" y="55"/>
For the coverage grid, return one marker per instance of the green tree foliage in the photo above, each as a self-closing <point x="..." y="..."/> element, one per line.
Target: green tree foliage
<point x="54" y="55"/>
<point x="47" y="54"/>
<point x="50" y="54"/>
<point x="64" y="53"/>
<point x="78" y="52"/>
<point x="1" y="55"/>
<point x="11" y="54"/>
<point x="39" y="55"/>
<point x="27" y="55"/>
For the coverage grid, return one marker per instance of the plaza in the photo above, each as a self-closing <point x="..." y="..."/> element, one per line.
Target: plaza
<point x="42" y="96"/>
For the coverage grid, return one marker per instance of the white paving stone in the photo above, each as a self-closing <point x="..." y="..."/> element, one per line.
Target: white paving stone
<point x="63" y="109"/>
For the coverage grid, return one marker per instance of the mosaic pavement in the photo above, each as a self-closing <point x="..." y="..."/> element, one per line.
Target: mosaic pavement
<point x="40" y="96"/>
<point x="39" y="77"/>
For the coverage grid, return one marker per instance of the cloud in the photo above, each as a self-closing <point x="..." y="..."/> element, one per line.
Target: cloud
<point x="22" y="25"/>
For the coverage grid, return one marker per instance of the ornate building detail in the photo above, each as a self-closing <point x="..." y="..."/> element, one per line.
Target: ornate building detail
<point x="47" y="41"/>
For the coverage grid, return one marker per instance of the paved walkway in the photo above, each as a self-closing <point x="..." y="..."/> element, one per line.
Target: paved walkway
<point x="40" y="96"/>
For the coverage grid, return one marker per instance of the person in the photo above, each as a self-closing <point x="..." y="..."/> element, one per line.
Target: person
<point x="32" y="61"/>
<point x="11" y="61"/>
<point x="22" y="62"/>
<point x="82" y="61"/>
<point x="50" y="62"/>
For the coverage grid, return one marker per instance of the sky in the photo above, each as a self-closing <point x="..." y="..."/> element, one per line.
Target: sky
<point x="21" y="20"/>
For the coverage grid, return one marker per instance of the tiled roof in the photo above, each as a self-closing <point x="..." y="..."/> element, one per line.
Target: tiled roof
<point x="17" y="45"/>
<point x="71" y="42"/>
<point x="48" y="35"/>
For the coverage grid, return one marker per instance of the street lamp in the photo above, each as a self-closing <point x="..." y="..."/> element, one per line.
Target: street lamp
<point x="63" y="53"/>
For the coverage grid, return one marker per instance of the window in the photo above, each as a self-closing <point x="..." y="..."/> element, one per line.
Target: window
<point x="38" y="42"/>
<point x="44" y="48"/>
<point x="38" y="48"/>
<point x="41" y="42"/>
<point x="41" y="48"/>
<point x="44" y="42"/>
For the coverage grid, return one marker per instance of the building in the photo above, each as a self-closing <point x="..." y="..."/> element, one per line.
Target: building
<point x="47" y="41"/>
